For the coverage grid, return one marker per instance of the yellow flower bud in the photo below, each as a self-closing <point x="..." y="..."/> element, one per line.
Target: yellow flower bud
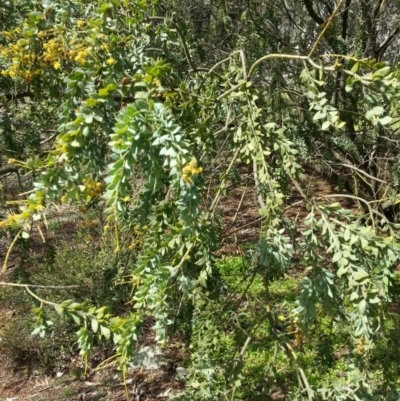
<point x="187" y="170"/>
<point x="186" y="178"/>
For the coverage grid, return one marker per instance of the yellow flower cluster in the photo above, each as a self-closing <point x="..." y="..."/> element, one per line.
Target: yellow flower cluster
<point x="23" y="63"/>
<point x="92" y="187"/>
<point x="89" y="223"/>
<point x="298" y="338"/>
<point x="191" y="170"/>
<point x="16" y="220"/>
<point x="81" y="55"/>
<point x="138" y="235"/>
<point x="27" y="207"/>
<point x="360" y="346"/>
<point x="26" y="64"/>
<point x="26" y="60"/>
<point x="298" y="334"/>
<point x="53" y="51"/>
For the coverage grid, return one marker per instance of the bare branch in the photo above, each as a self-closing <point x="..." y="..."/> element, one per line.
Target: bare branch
<point x="383" y="47"/>
<point x="309" y="6"/>
<point x="37" y="286"/>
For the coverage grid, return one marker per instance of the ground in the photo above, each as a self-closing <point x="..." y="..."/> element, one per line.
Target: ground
<point x="241" y="221"/>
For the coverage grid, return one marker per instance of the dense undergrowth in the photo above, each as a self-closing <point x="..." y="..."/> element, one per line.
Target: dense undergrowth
<point x="95" y="274"/>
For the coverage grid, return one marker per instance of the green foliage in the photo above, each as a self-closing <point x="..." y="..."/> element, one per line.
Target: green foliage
<point x="138" y="125"/>
<point x="101" y="272"/>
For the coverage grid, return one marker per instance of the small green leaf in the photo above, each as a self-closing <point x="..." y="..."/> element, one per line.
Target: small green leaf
<point x="337" y="256"/>
<point x="326" y="125"/>
<point x="111" y="87"/>
<point x="381" y="73"/>
<point x="364" y="242"/>
<point x="360" y="275"/>
<point x="374" y="300"/>
<point x="385" y="120"/>
<point x="95" y="325"/>
<point x="355" y="67"/>
<point x="105" y="331"/>
<point x="319" y="115"/>
<point x="36" y="331"/>
<point x="354" y="295"/>
<point x="89" y="119"/>
<point x="362" y="305"/>
<point x="59" y="309"/>
<point x="103" y="92"/>
<point x="378" y="110"/>
<point x="76" y="317"/>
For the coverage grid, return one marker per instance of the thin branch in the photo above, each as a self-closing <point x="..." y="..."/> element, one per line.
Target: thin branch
<point x="37" y="286"/>
<point x="325" y="27"/>
<point x="8" y="170"/>
<point x="383" y="47"/>
<point x="40" y="299"/>
<point x="345" y="19"/>
<point x="9" y="251"/>
<point x="360" y="171"/>
<point x="309" y="6"/>
<point x="378" y="9"/>
<point x="257" y="185"/>
<point x="290" y="17"/>
<point x="49" y="138"/>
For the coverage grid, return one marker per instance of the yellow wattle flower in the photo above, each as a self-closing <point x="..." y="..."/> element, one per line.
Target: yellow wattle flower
<point x="187" y="170"/>
<point x="186" y="179"/>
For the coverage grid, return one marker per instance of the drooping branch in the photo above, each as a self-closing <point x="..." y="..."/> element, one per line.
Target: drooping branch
<point x="260" y="198"/>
